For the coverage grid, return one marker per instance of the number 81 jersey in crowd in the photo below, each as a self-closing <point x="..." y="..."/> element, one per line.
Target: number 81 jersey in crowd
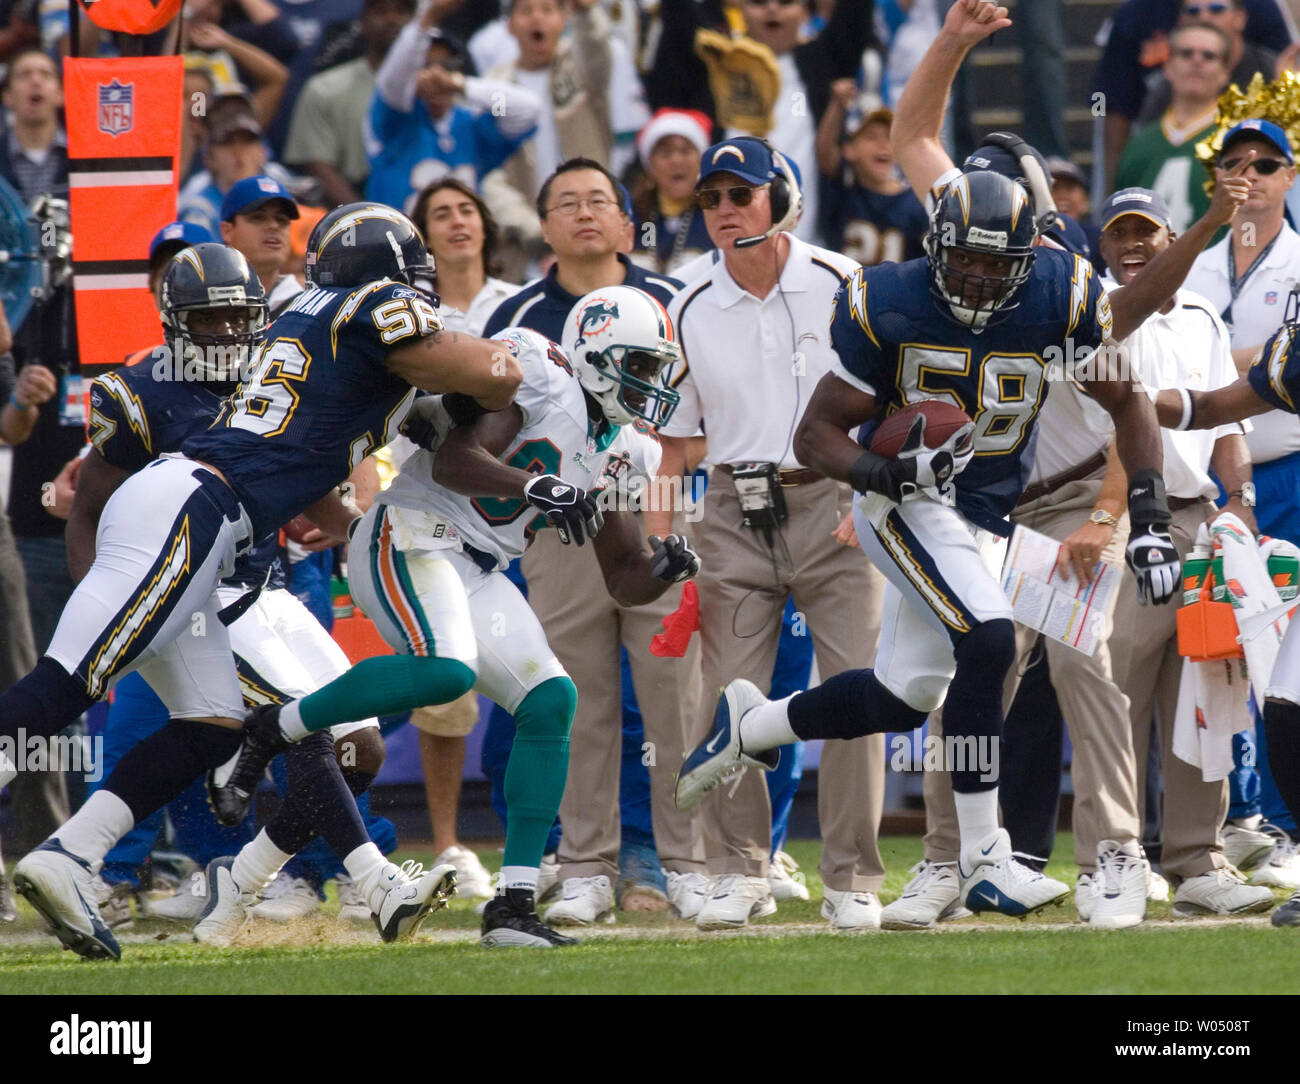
<point x="557" y="437"/>
<point x="317" y="397"/>
<point x="895" y="344"/>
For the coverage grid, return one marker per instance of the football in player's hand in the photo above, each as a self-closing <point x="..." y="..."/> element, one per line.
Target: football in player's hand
<point x="298" y="528"/>
<point x="942" y="420"/>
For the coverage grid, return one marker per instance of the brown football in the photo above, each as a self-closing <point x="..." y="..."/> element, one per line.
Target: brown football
<point x="298" y="528"/>
<point x="942" y="419"/>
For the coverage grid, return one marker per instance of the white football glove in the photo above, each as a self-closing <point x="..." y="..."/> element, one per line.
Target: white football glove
<point x="427" y="423"/>
<point x="1154" y="560"/>
<point x="929" y="472"/>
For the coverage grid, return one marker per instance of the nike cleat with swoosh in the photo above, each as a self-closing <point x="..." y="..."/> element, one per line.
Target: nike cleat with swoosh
<point x="993" y="879"/>
<point x="719" y="756"/>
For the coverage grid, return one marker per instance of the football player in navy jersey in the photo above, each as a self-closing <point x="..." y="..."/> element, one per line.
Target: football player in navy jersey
<point x="970" y="325"/>
<point x="1271" y="383"/>
<point x="331" y="386"/>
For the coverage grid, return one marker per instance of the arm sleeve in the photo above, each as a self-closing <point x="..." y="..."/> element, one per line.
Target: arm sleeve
<point x="119" y="429"/>
<point x="1089" y="321"/>
<point x="395" y="80"/>
<point x="1277" y="370"/>
<point x="513" y="110"/>
<point x="860" y="359"/>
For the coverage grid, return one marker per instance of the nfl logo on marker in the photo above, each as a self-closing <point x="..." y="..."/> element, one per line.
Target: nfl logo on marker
<point x="116" y="107"/>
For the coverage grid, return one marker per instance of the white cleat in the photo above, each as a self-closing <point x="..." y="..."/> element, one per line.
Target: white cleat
<point x="287" y="899"/>
<point x="352" y="901"/>
<point x="1282" y="870"/>
<point x="1085" y="895"/>
<point x="1158" y="890"/>
<point x="993" y="879"/>
<point x="61" y="887"/>
<point x="228" y="911"/>
<point x="473" y="882"/>
<point x="851" y="911"/>
<point x="1244" y="845"/>
<point x="734" y="900"/>
<point x="1220" y="892"/>
<point x="1121" y="886"/>
<point x="687" y="893"/>
<point x="586" y="900"/>
<point x="932" y="895"/>
<point x="548" y="879"/>
<point x="786" y="880"/>
<point x="719" y="755"/>
<point x="401" y="898"/>
<point x="186" y="904"/>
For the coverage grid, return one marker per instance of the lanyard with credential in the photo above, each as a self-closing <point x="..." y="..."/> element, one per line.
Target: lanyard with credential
<point x="1236" y="286"/>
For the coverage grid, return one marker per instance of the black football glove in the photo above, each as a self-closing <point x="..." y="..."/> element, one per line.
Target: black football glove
<point x="1151" y="553"/>
<point x="575" y="512"/>
<point x="917" y="468"/>
<point x="672" y="558"/>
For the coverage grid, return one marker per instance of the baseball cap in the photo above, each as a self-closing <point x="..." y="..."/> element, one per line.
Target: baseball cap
<point x="251" y="193"/>
<point x="1134" y="201"/>
<point x="748" y="158"/>
<point x="178" y="235"/>
<point x="1259" y="129"/>
<point x="1063" y="169"/>
<point x="857" y="121"/>
<point x="236" y="123"/>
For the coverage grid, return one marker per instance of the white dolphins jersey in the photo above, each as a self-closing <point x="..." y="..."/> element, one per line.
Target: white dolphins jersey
<point x="555" y="438"/>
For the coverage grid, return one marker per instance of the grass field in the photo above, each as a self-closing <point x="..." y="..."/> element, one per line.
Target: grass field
<point x="791" y="952"/>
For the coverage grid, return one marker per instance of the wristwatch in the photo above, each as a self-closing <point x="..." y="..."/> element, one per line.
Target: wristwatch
<point x="1246" y="493"/>
<point x="1101" y="516"/>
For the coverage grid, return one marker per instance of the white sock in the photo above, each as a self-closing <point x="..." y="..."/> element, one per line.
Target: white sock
<point x="93" y="829"/>
<point x="257" y="863"/>
<point x="291" y="725"/>
<point x="364" y="865"/>
<point x="767" y="726"/>
<point x="519" y="877"/>
<point x="977" y="815"/>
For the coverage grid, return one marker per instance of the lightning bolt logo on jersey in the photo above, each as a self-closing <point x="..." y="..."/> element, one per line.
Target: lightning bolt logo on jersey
<point x="556" y="437"/>
<point x="894" y="344"/>
<point x="1275" y="375"/>
<point x="317" y="398"/>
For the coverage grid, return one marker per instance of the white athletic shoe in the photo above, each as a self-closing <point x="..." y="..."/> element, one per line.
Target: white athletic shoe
<point x="1244" y="845"/>
<point x="228" y="910"/>
<point x="548" y="879"/>
<point x="1121" y="886"/>
<point x="187" y="903"/>
<point x="586" y="900"/>
<point x="1085" y="895"/>
<point x="781" y="875"/>
<point x="60" y="886"/>
<point x="932" y="895"/>
<point x="1220" y="892"/>
<point x="687" y="893"/>
<point x="719" y="755"/>
<point x="1282" y="870"/>
<point x="1158" y="890"/>
<point x="401" y="898"/>
<point x="352" y="901"/>
<point x="473" y="882"/>
<point x="850" y="911"/>
<point x="993" y="879"/>
<point x="114" y="902"/>
<point x="287" y="899"/>
<point x="733" y="900"/>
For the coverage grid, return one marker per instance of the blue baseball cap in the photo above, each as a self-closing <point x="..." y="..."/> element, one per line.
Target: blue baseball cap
<point x="251" y="193"/>
<point x="1259" y="129"/>
<point x="748" y="158"/>
<point x="1134" y="201"/>
<point x="179" y="235"/>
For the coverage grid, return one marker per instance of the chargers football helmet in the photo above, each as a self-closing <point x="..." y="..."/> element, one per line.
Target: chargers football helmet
<point x="621" y="341"/>
<point x="988" y="214"/>
<point x="364" y="242"/>
<point x="210" y="278"/>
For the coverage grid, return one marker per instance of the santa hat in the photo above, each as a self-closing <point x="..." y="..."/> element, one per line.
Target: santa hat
<point x="690" y="124"/>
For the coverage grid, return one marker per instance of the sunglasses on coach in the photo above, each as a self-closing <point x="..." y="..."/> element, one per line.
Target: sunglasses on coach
<point x="1265" y="167"/>
<point x="741" y="195"/>
<point x="1194" y="11"/>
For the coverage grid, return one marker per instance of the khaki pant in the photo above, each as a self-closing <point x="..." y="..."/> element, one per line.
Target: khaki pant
<point x="585" y="628"/>
<point x="743" y="589"/>
<point x="1095" y="708"/>
<point x="1148" y="668"/>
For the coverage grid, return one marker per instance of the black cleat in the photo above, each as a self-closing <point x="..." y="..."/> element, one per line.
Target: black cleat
<point x="510" y="921"/>
<point x="1289" y="913"/>
<point x="231" y="787"/>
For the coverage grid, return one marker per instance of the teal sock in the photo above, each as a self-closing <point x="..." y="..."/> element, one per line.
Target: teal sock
<point x="538" y="768"/>
<point x="387" y="685"/>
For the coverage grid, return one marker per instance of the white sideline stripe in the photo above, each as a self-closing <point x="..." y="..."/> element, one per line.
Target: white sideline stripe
<point x="112" y="282"/>
<point x="137" y="177"/>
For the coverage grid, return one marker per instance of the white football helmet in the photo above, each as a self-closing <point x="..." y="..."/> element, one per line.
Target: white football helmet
<point x="621" y="341"/>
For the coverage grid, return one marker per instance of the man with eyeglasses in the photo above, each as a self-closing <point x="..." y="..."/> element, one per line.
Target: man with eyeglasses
<point x="1247" y="277"/>
<point x="584" y="218"/>
<point x="755" y="341"/>
<point x="1162" y="155"/>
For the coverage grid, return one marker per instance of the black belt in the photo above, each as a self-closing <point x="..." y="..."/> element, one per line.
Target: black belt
<point x="485" y="561"/>
<point x="795" y="476"/>
<point x="1051" y="485"/>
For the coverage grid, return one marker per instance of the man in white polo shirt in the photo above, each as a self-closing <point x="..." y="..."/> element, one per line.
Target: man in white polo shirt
<point x="1247" y="278"/>
<point x="755" y="337"/>
<point x="1184" y="345"/>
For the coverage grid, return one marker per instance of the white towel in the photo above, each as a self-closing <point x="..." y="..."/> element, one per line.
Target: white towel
<point x="1245" y="567"/>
